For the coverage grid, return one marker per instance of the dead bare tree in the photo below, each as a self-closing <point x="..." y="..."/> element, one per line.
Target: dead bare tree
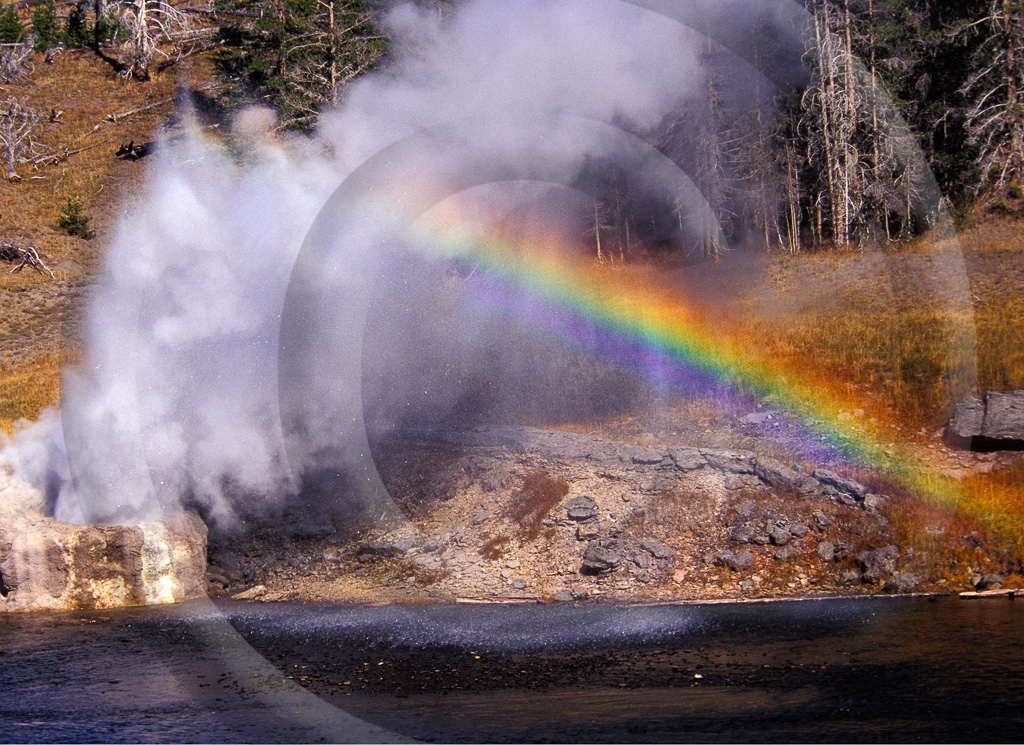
<point x="18" y="124"/>
<point x="15" y="61"/>
<point x="23" y="256"/>
<point x="151" y="29"/>
<point x="830" y="106"/>
<point x="994" y="118"/>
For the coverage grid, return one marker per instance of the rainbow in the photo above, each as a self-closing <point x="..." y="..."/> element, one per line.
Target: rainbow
<point x="664" y="323"/>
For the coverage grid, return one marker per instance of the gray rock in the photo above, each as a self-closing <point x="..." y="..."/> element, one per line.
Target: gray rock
<point x="430" y="546"/>
<point x="1004" y="416"/>
<point x="878" y="563"/>
<point x="480" y="518"/>
<point x="588" y="531"/>
<point x="405" y="545"/>
<point x="784" y="554"/>
<point x="730" y="461"/>
<point x="874" y="502"/>
<point x="747" y="585"/>
<point x="783" y="478"/>
<point x="827" y="551"/>
<point x="311" y="527"/>
<point x="645" y="456"/>
<point x="822" y="520"/>
<point x="996" y="418"/>
<point x="736" y="481"/>
<point x="742" y="534"/>
<point x="968" y="419"/>
<point x="760" y="539"/>
<point x="799" y="530"/>
<point x="385" y="550"/>
<point x="738" y="562"/>
<point x="842" y="485"/>
<point x="850" y="577"/>
<point x="687" y="459"/>
<point x="657" y="549"/>
<point x="428" y="563"/>
<point x="601" y="557"/>
<point x="643" y="560"/>
<point x="563" y="596"/>
<point x="214" y="576"/>
<point x="780" y="536"/>
<point x="581" y="508"/>
<point x="902" y="582"/>
<point x="757" y="417"/>
<point x="745" y="508"/>
<point x="990" y="582"/>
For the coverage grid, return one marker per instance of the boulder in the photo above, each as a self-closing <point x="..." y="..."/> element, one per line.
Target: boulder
<point x="833" y="482"/>
<point x="730" y="461"/>
<point x="736" y="562"/>
<point x="990" y="582"/>
<point x="780" y="535"/>
<point x="783" y="478"/>
<point x="992" y="421"/>
<point x="688" y="459"/>
<point x="878" y="563"/>
<point x="902" y="583"/>
<point x="657" y="549"/>
<point x="742" y="534"/>
<point x="799" y="530"/>
<point x="581" y="508"/>
<point x="601" y="557"/>
<point x="48" y="565"/>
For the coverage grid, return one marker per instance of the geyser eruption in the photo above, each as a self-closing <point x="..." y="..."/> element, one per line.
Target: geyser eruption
<point x="178" y="399"/>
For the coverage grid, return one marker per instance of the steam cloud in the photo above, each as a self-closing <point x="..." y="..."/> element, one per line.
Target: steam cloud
<point x="177" y="400"/>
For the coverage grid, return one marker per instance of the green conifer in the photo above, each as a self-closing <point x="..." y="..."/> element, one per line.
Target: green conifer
<point x="11" y="30"/>
<point x="45" y="26"/>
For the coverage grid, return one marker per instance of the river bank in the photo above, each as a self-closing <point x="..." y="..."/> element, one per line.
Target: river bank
<point x="522" y="514"/>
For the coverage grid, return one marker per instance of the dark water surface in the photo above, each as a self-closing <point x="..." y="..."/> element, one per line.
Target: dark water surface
<point x="867" y="670"/>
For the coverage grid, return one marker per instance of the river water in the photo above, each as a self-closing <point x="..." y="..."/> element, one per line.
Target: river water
<point x="855" y="670"/>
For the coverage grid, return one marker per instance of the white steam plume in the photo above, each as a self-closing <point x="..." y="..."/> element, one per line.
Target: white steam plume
<point x="177" y="397"/>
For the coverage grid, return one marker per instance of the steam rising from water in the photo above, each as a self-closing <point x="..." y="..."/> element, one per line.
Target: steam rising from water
<point x="177" y="398"/>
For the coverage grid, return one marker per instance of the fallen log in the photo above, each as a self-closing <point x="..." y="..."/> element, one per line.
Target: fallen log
<point x="23" y="256"/>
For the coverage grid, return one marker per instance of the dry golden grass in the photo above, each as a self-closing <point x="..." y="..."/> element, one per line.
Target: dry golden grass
<point x="25" y="391"/>
<point x="82" y="91"/>
<point x="897" y="336"/>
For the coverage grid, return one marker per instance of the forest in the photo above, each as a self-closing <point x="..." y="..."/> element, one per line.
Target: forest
<point x="902" y="112"/>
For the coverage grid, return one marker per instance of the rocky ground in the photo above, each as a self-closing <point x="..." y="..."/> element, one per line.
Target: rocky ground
<point x="524" y="514"/>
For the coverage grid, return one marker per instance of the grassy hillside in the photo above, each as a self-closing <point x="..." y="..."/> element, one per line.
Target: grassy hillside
<point x="91" y="113"/>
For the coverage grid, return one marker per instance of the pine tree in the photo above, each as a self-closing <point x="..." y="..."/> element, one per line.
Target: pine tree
<point x="11" y="30"/>
<point x="76" y="31"/>
<point x="45" y="26"/>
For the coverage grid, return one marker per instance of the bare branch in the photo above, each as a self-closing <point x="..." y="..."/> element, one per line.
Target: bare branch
<point x="18" y="123"/>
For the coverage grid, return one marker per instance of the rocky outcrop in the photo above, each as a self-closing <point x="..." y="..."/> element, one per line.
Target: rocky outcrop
<point x="48" y="565"/>
<point x="627" y="522"/>
<point x="993" y="421"/>
<point x="741" y="468"/>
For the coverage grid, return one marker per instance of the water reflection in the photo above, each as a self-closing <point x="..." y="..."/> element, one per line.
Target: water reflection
<point x="853" y="670"/>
